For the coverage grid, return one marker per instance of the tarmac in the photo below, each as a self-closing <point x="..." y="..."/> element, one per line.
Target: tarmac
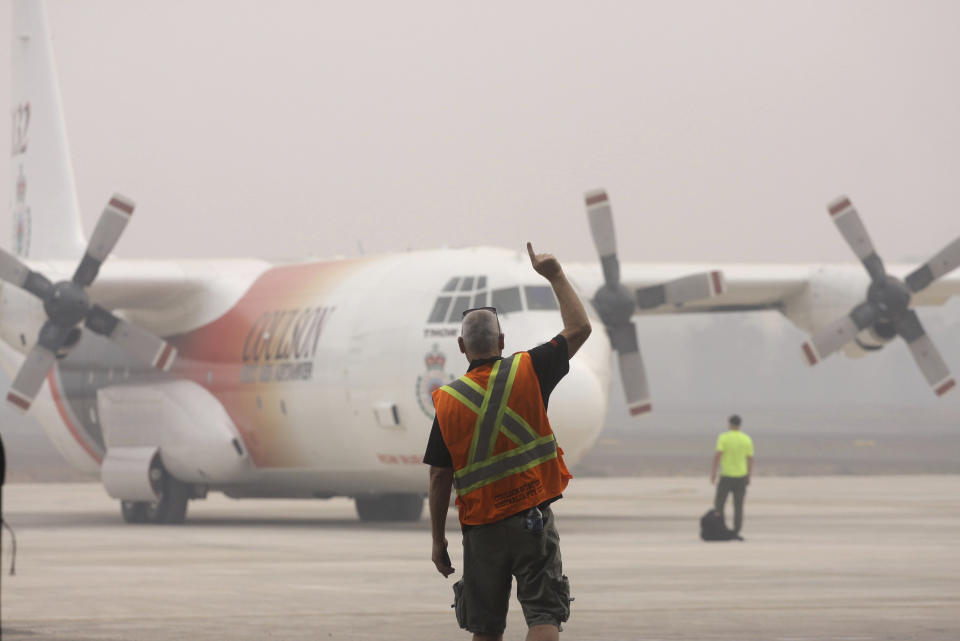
<point x="842" y="558"/>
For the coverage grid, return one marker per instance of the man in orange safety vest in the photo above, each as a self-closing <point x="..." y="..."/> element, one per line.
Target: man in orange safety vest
<point x="492" y="441"/>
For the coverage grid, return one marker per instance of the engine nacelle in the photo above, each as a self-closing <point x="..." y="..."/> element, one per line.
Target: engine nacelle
<point x="125" y="473"/>
<point x="196" y="439"/>
<point x="831" y="292"/>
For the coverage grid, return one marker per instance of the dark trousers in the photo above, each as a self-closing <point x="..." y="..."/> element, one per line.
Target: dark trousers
<point x="737" y="485"/>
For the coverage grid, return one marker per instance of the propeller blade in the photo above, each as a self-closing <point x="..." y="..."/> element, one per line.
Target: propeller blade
<point x="26" y="385"/>
<point x="12" y="270"/>
<point x="839" y="332"/>
<point x="29" y="379"/>
<point x="635" y="386"/>
<point x="855" y="233"/>
<point x="682" y="290"/>
<point x="925" y="354"/>
<point x="604" y="237"/>
<point x="946" y="260"/>
<point x="112" y="222"/>
<point x="632" y="374"/>
<point x="16" y="273"/>
<point x="139" y="342"/>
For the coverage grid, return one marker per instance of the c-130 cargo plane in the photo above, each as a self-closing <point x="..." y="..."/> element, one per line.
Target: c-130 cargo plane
<point x="176" y="378"/>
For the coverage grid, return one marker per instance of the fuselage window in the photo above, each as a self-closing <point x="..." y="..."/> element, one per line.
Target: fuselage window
<point x="439" y="310"/>
<point x="451" y="284"/>
<point x="480" y="300"/>
<point x="460" y="305"/>
<point x="540" y="297"/>
<point x="467" y="284"/>
<point x="507" y="300"/>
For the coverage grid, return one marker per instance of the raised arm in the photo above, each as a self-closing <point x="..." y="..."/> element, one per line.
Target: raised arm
<point x="576" y="325"/>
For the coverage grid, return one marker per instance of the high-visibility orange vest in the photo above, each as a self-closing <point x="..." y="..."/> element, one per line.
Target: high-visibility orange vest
<point x="505" y="456"/>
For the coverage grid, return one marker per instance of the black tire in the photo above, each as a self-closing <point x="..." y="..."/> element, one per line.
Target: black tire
<point x="133" y="511"/>
<point x="171" y="506"/>
<point x="389" y="507"/>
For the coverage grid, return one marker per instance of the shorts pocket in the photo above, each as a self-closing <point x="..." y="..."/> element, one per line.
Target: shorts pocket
<point x="564" y="598"/>
<point x="459" y="605"/>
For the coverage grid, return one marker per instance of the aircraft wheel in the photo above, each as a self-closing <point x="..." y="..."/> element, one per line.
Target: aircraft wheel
<point x="133" y="511"/>
<point x="389" y="507"/>
<point x="171" y="507"/>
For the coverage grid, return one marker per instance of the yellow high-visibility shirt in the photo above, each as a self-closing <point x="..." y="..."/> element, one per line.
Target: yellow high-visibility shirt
<point x="736" y="447"/>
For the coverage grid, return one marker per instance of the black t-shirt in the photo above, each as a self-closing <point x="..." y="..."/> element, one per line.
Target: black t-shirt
<point x="551" y="362"/>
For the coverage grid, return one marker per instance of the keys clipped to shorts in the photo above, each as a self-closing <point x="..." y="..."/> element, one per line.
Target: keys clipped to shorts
<point x="533" y="519"/>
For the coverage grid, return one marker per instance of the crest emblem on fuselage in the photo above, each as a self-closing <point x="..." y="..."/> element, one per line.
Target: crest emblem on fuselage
<point x="434" y="377"/>
<point x="21" y="218"/>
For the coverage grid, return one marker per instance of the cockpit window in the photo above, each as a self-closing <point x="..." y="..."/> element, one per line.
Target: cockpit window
<point x="507" y="300"/>
<point x="540" y="297"/>
<point x="439" y="310"/>
<point x="458" y="294"/>
<point x="460" y="305"/>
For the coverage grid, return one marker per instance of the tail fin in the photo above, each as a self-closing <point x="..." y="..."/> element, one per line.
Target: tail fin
<point x="46" y="217"/>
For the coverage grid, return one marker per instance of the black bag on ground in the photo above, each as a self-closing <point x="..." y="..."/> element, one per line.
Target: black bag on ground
<point x="712" y="527"/>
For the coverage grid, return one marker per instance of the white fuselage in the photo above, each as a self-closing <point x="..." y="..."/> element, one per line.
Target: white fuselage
<point x="322" y="371"/>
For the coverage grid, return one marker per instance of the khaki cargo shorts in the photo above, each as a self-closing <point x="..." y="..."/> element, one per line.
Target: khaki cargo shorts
<point x="495" y="553"/>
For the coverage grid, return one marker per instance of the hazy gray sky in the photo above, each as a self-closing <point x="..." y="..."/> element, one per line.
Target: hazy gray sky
<point x="286" y="129"/>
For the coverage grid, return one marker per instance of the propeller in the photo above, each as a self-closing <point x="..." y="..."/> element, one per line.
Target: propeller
<point x="67" y="305"/>
<point x="616" y="304"/>
<point x="886" y="311"/>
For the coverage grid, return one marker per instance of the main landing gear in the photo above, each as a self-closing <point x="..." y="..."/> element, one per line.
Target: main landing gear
<point x="389" y="507"/>
<point x="170" y="507"/>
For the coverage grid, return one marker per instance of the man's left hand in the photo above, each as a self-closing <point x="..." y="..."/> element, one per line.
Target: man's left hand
<point x="441" y="558"/>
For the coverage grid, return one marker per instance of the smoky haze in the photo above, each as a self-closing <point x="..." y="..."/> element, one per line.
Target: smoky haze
<point x="296" y="129"/>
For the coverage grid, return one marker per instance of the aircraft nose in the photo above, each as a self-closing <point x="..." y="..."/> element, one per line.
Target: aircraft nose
<point x="577" y="411"/>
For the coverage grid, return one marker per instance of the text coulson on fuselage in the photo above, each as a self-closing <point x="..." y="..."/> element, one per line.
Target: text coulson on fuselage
<point x="287" y="334"/>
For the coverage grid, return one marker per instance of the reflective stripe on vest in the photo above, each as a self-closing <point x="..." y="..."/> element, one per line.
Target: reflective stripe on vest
<point x="495" y="418"/>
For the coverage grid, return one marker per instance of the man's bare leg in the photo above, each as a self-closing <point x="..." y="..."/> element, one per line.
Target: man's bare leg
<point x="543" y="633"/>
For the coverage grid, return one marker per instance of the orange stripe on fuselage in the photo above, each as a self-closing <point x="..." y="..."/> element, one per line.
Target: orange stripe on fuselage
<point x="58" y="401"/>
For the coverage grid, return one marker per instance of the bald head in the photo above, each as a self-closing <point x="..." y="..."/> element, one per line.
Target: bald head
<point x="480" y="334"/>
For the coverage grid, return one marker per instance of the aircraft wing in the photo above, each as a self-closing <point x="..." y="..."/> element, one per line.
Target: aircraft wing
<point x="167" y="297"/>
<point x="752" y="287"/>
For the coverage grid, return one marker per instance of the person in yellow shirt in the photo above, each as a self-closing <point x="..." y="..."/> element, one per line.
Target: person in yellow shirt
<point x="734" y="455"/>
